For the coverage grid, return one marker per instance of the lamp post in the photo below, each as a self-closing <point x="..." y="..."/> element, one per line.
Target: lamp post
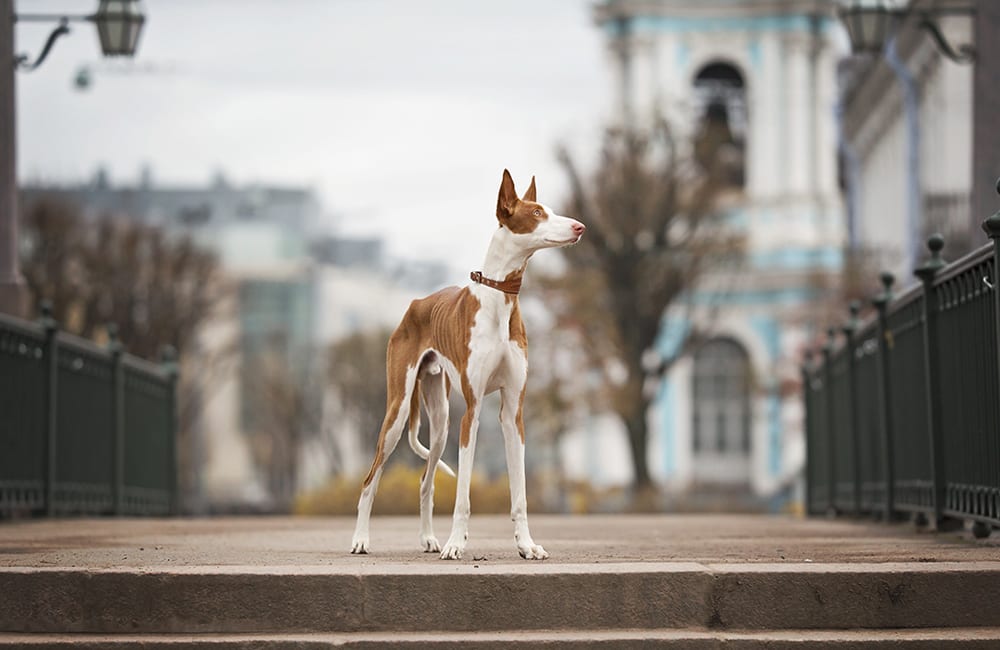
<point x="119" y="24"/>
<point x="12" y="290"/>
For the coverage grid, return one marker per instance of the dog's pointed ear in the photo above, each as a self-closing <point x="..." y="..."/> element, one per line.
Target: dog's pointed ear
<point x="530" y="194"/>
<point x="507" y="200"/>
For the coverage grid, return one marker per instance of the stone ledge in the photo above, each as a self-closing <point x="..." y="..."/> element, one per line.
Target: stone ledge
<point x="457" y="597"/>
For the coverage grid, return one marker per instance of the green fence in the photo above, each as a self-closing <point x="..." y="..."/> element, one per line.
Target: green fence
<point x="83" y="429"/>
<point x="903" y="410"/>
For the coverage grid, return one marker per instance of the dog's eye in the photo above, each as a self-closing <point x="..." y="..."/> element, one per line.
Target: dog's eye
<point x="537" y="213"/>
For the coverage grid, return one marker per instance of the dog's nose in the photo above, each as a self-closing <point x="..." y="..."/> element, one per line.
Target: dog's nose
<point x="578" y="228"/>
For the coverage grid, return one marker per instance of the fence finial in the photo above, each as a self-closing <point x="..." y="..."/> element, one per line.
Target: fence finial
<point x="991" y="224"/>
<point x="114" y="344"/>
<point x="854" y="308"/>
<point x="831" y="337"/>
<point x="882" y="299"/>
<point x="935" y="262"/>
<point x="47" y="320"/>
<point x="168" y="357"/>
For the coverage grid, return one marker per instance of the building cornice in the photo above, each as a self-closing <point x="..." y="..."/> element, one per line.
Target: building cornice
<point x="722" y="10"/>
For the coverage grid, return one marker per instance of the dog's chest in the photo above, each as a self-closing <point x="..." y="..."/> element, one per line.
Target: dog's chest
<point x="489" y="341"/>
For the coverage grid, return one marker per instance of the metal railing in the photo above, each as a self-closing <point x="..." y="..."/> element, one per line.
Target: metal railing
<point x="83" y="429"/>
<point x="903" y="410"/>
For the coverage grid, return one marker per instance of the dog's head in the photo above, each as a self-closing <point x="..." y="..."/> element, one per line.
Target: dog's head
<point x="533" y="225"/>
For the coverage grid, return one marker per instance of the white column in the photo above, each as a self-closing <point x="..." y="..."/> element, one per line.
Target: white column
<point x="764" y="130"/>
<point x="797" y="110"/>
<point x="826" y="86"/>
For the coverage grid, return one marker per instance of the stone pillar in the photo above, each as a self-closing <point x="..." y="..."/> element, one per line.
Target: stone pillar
<point x="13" y="294"/>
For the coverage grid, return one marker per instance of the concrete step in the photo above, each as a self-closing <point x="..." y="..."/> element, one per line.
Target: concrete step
<point x="908" y="639"/>
<point x="464" y="597"/>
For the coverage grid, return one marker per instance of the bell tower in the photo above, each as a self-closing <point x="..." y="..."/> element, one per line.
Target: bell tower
<point x="761" y="74"/>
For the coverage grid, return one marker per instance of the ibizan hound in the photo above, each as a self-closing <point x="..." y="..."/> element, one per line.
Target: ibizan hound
<point x="475" y="334"/>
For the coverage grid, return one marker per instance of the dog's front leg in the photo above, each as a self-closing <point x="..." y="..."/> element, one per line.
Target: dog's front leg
<point x="512" y="422"/>
<point x="455" y="546"/>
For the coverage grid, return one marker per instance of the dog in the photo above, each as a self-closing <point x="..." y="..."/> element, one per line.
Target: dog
<point x="472" y="338"/>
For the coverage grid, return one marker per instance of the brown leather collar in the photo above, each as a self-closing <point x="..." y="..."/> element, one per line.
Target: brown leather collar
<point x="512" y="286"/>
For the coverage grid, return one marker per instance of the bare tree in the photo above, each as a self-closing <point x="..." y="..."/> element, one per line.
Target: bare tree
<point x="856" y="281"/>
<point x="653" y="226"/>
<point x="286" y="398"/>
<point x="356" y="372"/>
<point x="158" y="289"/>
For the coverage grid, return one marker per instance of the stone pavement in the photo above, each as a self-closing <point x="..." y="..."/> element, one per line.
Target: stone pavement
<point x="719" y="582"/>
<point x="291" y="541"/>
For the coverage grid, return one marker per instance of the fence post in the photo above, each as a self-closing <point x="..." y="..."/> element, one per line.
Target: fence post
<point x="885" y="344"/>
<point x="849" y="328"/>
<point x="927" y="272"/>
<point x="169" y="359"/>
<point x="118" y="420"/>
<point x="51" y="328"/>
<point x="831" y="334"/>
<point x="991" y="226"/>
<point x="810" y="430"/>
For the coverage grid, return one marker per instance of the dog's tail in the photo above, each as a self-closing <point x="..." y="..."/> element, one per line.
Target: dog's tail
<point x="414" y="426"/>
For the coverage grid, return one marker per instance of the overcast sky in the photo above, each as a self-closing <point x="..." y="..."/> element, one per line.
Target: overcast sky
<point x="401" y="114"/>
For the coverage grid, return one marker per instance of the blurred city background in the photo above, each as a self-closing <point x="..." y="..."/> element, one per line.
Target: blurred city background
<point x="266" y="185"/>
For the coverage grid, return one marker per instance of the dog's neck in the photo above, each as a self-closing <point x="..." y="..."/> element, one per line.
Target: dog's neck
<point x="505" y="260"/>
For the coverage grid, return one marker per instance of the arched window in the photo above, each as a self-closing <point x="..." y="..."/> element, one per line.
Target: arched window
<point x="721" y="424"/>
<point x="720" y="102"/>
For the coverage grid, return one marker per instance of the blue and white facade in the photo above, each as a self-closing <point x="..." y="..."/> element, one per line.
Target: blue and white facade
<point x="730" y="415"/>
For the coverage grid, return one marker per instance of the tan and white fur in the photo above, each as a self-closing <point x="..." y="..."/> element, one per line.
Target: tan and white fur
<point x="472" y="338"/>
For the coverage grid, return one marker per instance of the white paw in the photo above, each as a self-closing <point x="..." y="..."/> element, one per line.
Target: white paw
<point x="430" y="544"/>
<point x="360" y="545"/>
<point x="452" y="551"/>
<point x="532" y="551"/>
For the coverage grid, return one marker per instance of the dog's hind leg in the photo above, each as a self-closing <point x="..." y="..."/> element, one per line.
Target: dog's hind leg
<point x="435" y="396"/>
<point x="400" y="391"/>
<point x="455" y="546"/>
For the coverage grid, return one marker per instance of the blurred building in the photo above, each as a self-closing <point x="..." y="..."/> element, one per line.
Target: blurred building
<point x="727" y="420"/>
<point x="921" y="143"/>
<point x="295" y="290"/>
<point x="260" y="234"/>
<point x="359" y="289"/>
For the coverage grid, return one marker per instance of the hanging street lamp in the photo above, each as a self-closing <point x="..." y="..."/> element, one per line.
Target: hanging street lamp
<point x="119" y="24"/>
<point x="867" y="26"/>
